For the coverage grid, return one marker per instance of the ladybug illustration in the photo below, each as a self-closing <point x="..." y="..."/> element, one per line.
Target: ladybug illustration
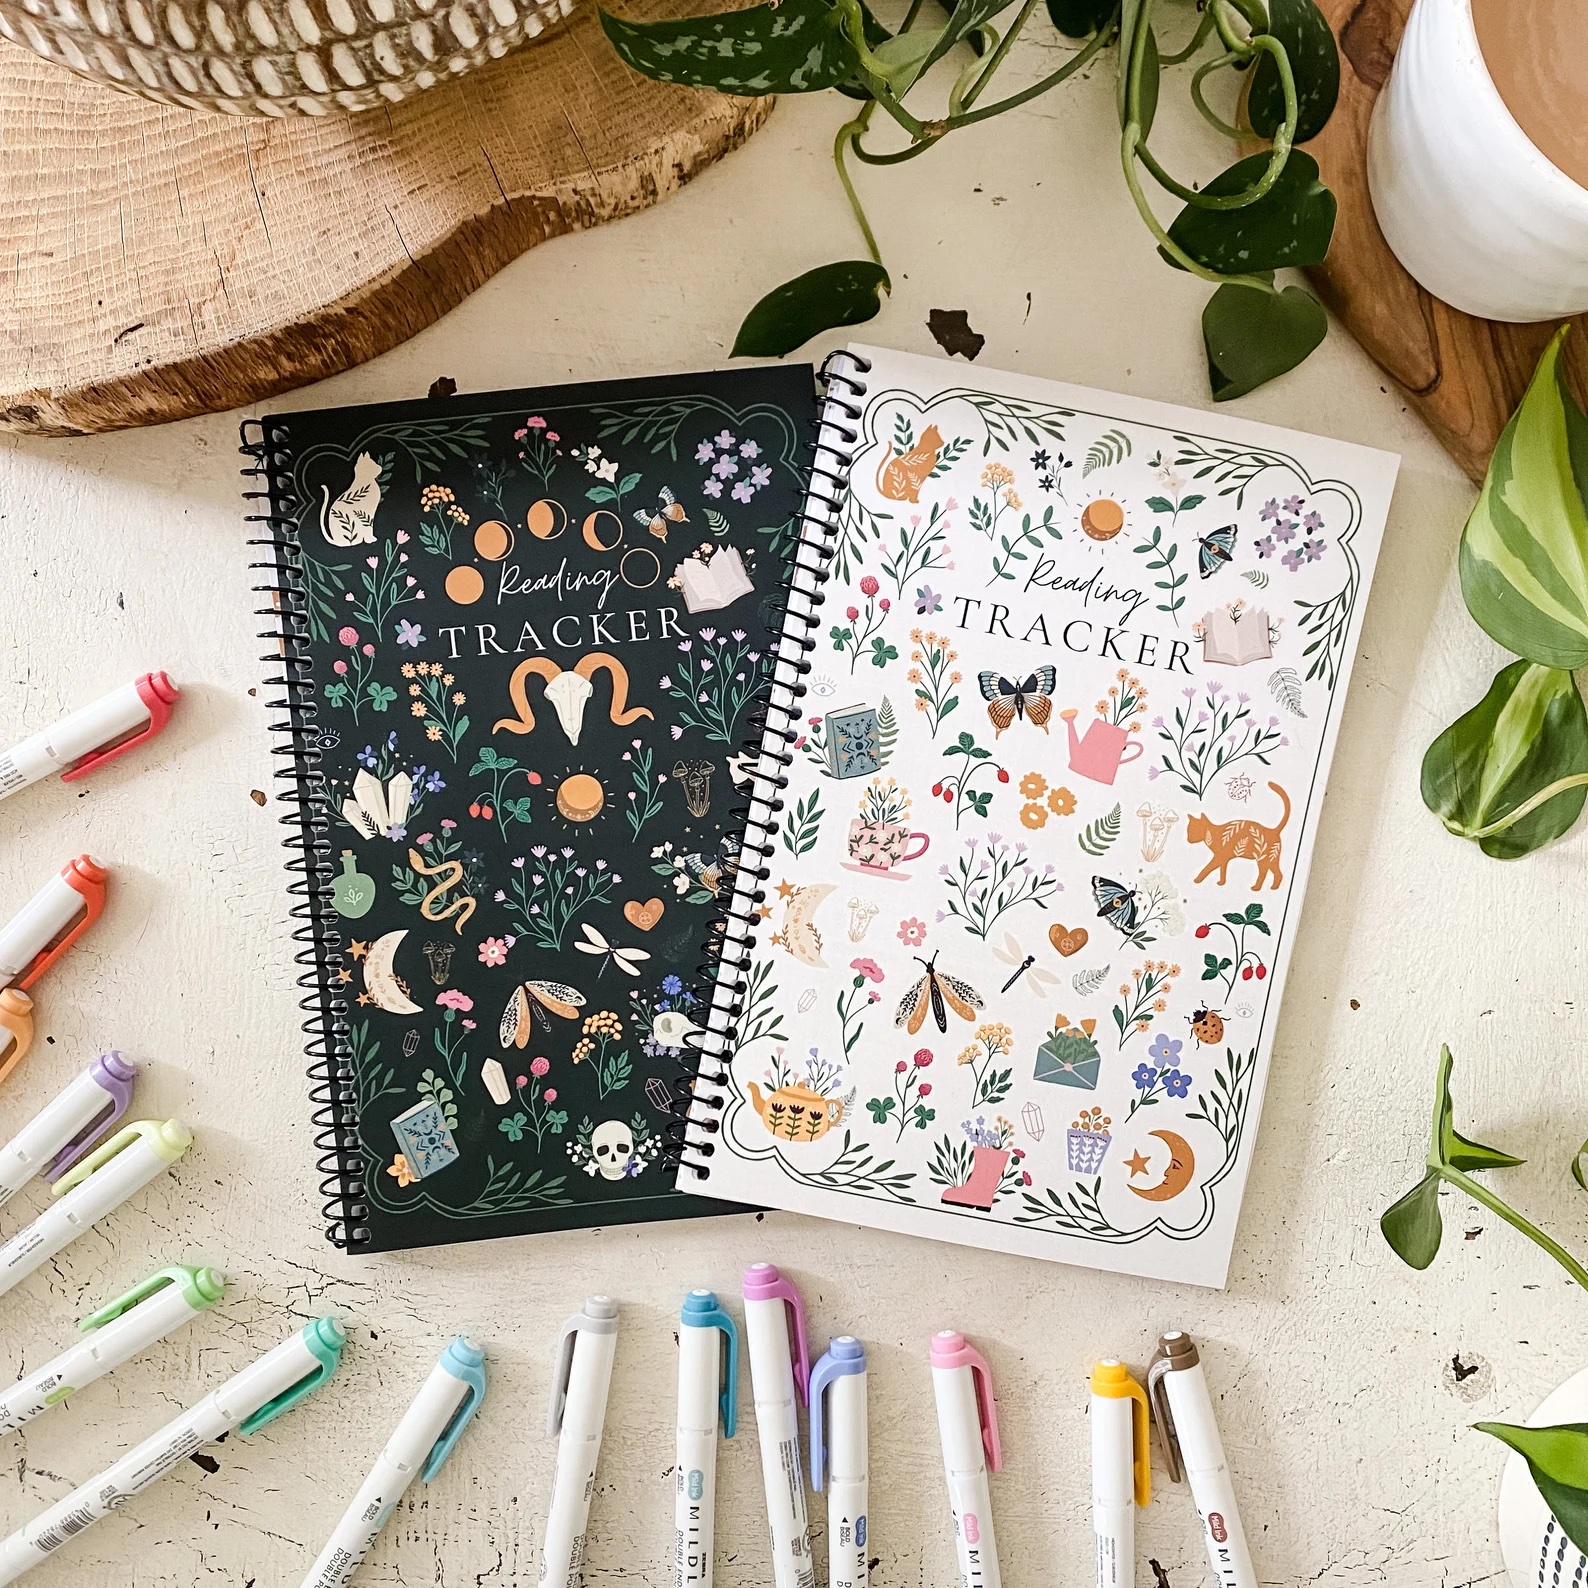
<point x="1207" y="1026"/>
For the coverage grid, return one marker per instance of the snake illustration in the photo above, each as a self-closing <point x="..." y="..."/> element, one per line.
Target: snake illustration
<point x="451" y="872"/>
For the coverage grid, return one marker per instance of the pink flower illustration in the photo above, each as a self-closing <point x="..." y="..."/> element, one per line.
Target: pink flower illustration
<point x="539" y="1066"/>
<point x="912" y="932"/>
<point x="453" y="999"/>
<point x="493" y="951"/>
<point x="348" y="636"/>
<point x="869" y="585"/>
<point x="868" y="968"/>
<point x="551" y="1094"/>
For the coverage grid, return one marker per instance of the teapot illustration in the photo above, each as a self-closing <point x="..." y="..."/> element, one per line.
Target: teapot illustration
<point x="1102" y="750"/>
<point x="798" y="1112"/>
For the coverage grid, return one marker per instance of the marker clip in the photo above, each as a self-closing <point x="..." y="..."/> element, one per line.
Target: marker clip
<point x="845" y="1358"/>
<point x="324" y="1339"/>
<point x="83" y="876"/>
<point x="764" y="1283"/>
<point x="698" y="1315"/>
<point x="169" y="1139"/>
<point x="203" y="1286"/>
<point x="113" y="1075"/>
<point x="158" y="694"/>
<point x="1162" y="1365"/>
<point x="16" y="1016"/>
<point x="953" y="1350"/>
<point x="1114" y="1381"/>
<point x="595" y="1323"/>
<point x="466" y="1361"/>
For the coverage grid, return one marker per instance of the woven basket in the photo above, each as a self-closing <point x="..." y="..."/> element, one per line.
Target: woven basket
<point x="275" y="57"/>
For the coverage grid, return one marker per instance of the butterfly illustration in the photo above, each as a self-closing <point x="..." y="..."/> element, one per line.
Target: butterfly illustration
<point x="668" y="510"/>
<point x="1025" y="964"/>
<point x="722" y="867"/>
<point x="1118" y="905"/>
<point x="626" y="959"/>
<point x="1214" y="550"/>
<point x="527" y="1007"/>
<point x="939" y="992"/>
<point x="1031" y="699"/>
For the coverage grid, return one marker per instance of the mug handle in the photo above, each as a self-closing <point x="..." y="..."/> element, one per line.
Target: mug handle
<point x="915" y="854"/>
<point x="1131" y="744"/>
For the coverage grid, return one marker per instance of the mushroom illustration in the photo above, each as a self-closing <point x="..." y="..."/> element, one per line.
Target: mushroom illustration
<point x="862" y="912"/>
<point x="440" y="958"/>
<point x="1157" y="822"/>
<point x="695" y="776"/>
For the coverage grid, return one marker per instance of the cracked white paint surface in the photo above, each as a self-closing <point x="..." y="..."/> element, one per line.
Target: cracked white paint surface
<point x="1348" y="1437"/>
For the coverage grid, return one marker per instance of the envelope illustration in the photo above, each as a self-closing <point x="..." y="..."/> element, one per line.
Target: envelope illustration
<point x="1069" y="1057"/>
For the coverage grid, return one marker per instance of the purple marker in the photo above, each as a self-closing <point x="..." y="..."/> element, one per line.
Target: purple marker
<point x="62" y="1131"/>
<point x="780" y="1369"/>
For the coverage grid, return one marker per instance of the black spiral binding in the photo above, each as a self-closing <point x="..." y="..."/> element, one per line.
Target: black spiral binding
<point x="308" y="841"/>
<point x="701" y="1091"/>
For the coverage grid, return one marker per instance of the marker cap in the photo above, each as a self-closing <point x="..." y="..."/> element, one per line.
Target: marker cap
<point x="464" y="1359"/>
<point x="324" y="1339"/>
<point x="86" y="877"/>
<point x="167" y="1139"/>
<point x="763" y="1282"/>
<point x="202" y="1286"/>
<point x="1176" y="1352"/>
<point x="114" y="1076"/>
<point x="702" y="1310"/>
<point x="158" y="695"/>
<point x="600" y="1316"/>
<point x="949" y="1350"/>
<point x="16" y="1016"/>
<point x="1112" y="1380"/>
<point x="845" y="1358"/>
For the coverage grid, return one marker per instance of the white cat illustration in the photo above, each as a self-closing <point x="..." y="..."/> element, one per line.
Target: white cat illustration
<point x="350" y="519"/>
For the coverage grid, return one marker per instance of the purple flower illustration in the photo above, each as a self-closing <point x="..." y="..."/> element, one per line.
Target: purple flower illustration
<point x="409" y="633"/>
<point x="1312" y="549"/>
<point x="749" y="449"/>
<point x="1291" y="504"/>
<point x="704" y="453"/>
<point x="711" y="487"/>
<point x="1265" y="545"/>
<point x="761" y="475"/>
<point x="724" y="439"/>
<point x="1177" y="1083"/>
<point x="1143" y="1076"/>
<point x="723" y="467"/>
<point x="1270" y="511"/>
<point x="742" y="492"/>
<point x="1285" y="530"/>
<point x="927" y="601"/>
<point x="1313" y="522"/>
<point x="1292" y="558"/>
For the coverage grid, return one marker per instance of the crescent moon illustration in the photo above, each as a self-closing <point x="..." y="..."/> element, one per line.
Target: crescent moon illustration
<point x="381" y="981"/>
<point x="800" y="935"/>
<point x="1182" y="1165"/>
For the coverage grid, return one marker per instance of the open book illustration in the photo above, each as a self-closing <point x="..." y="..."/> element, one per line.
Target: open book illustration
<point x="1035" y="814"/>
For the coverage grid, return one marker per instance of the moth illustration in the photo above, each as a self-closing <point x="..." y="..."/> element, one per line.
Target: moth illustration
<point x="527" y="1006"/>
<point x="668" y="510"/>
<point x="1214" y="550"/>
<point x="939" y="992"/>
<point x="1031" y="699"/>
<point x="722" y="867"/>
<point x="1118" y="905"/>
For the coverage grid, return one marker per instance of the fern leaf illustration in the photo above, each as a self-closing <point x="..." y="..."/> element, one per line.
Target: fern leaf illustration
<point x="717" y="522"/>
<point x="1285" y="686"/>
<point x="1257" y="577"/>
<point x="1111" y="447"/>
<point x="1098" y="836"/>
<point x="887" y="731"/>
<point x="1086" y="982"/>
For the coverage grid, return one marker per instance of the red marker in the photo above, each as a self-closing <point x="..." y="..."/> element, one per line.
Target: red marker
<point x="86" y="740"/>
<point x="51" y="921"/>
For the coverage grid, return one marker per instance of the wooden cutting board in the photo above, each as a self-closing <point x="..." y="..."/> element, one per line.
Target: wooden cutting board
<point x="1462" y="374"/>
<point x="159" y="264"/>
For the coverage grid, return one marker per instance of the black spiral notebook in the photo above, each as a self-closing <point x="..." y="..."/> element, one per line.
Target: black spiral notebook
<point x="522" y="640"/>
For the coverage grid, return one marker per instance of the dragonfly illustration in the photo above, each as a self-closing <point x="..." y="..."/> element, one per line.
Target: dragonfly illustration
<point x="626" y="959"/>
<point x="1025" y="965"/>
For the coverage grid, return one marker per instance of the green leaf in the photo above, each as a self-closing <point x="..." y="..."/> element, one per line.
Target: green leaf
<point x="795" y="47"/>
<point x="845" y="293"/>
<point x="1449" y="1145"/>
<point x="1524" y="552"/>
<point x="905" y="57"/>
<point x="1529" y="731"/>
<point x="627" y="483"/>
<point x="966" y="16"/>
<point x="1412" y="1226"/>
<point x="1314" y="63"/>
<point x="1079" y="19"/>
<point x="1251" y="336"/>
<point x="1291" y="224"/>
<point x="1557" y="1458"/>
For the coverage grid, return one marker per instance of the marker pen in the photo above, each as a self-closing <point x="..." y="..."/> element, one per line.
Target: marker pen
<point x="1191" y="1441"/>
<point x="705" y="1388"/>
<point x="16" y="1028"/>
<point x="967" y="1420"/>
<point x="1121" y="1476"/>
<point x="419" y="1446"/>
<point x="839" y="1457"/>
<point x="92" y="735"/>
<point x="776" y="1377"/>
<point x="100" y="1183"/>
<point x="113" y="1335"/>
<point x="64" y="1129"/>
<point x="258" y="1395"/>
<point x="51" y="921"/>
<point x="578" y="1411"/>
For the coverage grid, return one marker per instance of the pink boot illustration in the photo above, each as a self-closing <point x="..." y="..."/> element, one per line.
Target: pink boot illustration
<point x="986" y="1172"/>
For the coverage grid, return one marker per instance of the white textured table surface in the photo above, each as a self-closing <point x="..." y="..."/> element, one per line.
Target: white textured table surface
<point x="1340" y="1409"/>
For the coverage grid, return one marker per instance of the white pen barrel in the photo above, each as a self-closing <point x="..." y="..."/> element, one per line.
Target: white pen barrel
<point x="42" y="919"/>
<point x="1208" y="1473"/>
<point x="1113" y="1490"/>
<point x="965" y="1467"/>
<point x="777" y="1425"/>
<point x="848" y="1481"/>
<point x="578" y="1450"/>
<point x="49" y="1130"/>
<point x="58" y="747"/>
<point x="694" y="1506"/>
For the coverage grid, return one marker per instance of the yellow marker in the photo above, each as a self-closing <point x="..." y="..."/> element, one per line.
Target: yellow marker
<point x="1121" y="1473"/>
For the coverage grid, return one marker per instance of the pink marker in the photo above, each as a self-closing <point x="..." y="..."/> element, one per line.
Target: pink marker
<point x="51" y="921"/>
<point x="92" y="735"/>
<point x="780" y="1369"/>
<point x="967" y="1420"/>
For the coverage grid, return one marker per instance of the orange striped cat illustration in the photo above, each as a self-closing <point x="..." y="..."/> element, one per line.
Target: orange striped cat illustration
<point x="1243" y="839"/>
<point x="900" y="478"/>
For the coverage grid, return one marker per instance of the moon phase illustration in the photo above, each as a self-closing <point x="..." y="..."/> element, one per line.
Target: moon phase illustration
<point x="800" y="935"/>
<point x="1103" y="519"/>
<point x="381" y="981"/>
<point x="1182" y="1165"/>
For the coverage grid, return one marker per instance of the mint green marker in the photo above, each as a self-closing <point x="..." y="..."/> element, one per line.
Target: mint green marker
<point x="113" y="1335"/>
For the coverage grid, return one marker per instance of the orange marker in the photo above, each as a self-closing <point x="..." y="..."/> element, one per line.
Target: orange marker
<point x="16" y="1029"/>
<point x="51" y="921"/>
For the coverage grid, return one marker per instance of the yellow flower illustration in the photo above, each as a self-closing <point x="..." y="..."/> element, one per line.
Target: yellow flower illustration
<point x="996" y="474"/>
<point x="458" y="697"/>
<point x="408" y="669"/>
<point x="433" y="732"/>
<point x="1061" y="802"/>
<point x="1033" y="786"/>
<point x="1033" y="815"/>
<point x="417" y="708"/>
<point x="399" y="1171"/>
<point x="413" y="689"/>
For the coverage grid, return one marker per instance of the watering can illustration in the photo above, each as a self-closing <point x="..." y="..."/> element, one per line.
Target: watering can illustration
<point x="1102" y="750"/>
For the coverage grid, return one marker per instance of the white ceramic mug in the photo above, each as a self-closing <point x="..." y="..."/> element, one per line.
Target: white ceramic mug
<point x="1466" y="201"/>
<point x="1537" y="1554"/>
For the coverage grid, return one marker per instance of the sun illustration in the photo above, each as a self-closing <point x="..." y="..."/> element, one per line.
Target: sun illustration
<point x="1102" y="519"/>
<point x="580" y="797"/>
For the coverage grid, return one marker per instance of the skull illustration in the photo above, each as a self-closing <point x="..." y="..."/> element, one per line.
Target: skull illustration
<point x="612" y="1149"/>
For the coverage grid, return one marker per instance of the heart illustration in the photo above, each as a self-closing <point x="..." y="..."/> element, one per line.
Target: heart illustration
<point x="1067" y="940"/>
<point x="646" y="915"/>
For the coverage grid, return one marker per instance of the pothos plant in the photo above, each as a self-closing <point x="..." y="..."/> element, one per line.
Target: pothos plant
<point x="1556" y="1456"/>
<point x="1265" y="212"/>
<point x="1512" y="774"/>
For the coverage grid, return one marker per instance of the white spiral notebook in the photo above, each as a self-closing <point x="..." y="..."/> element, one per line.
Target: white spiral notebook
<point x="1032" y="816"/>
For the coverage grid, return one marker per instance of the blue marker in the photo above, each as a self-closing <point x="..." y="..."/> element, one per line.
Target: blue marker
<point x="708" y="1383"/>
<point x="839" y="1457"/>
